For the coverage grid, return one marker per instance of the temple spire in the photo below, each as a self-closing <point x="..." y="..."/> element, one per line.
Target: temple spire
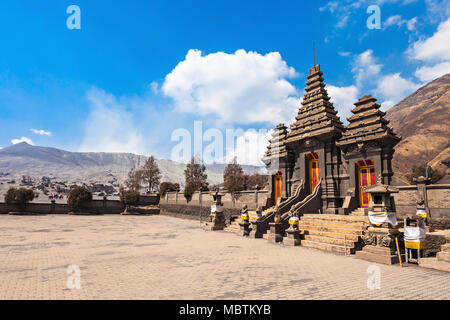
<point x="314" y="52"/>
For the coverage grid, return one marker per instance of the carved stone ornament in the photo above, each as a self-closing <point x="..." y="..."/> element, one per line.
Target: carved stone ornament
<point x="369" y="239"/>
<point x="386" y="241"/>
<point x="361" y="146"/>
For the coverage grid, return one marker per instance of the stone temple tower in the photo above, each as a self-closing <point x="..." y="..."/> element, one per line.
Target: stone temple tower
<point x="368" y="146"/>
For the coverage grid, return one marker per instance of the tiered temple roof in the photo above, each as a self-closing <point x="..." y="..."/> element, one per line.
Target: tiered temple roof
<point x="317" y="116"/>
<point x="367" y="124"/>
<point x="277" y="146"/>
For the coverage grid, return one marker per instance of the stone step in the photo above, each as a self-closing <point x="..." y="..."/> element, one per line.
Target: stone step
<point x="443" y="256"/>
<point x="341" y="228"/>
<point x="327" y="247"/>
<point x="434" y="263"/>
<point x="358" y="212"/>
<point x="334" y="217"/>
<point x="445" y="247"/>
<point x="338" y="224"/>
<point x="341" y="242"/>
<point x="338" y="235"/>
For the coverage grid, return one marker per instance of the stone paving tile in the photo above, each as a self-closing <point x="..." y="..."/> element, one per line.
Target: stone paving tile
<point x="160" y="257"/>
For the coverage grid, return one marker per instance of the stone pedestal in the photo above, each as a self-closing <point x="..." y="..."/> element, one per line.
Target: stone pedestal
<point x="380" y="246"/>
<point x="293" y="237"/>
<point x="257" y="231"/>
<point x="245" y="228"/>
<point x="217" y="222"/>
<point x="275" y="234"/>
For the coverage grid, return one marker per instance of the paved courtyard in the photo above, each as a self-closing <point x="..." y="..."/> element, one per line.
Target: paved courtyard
<point x="160" y="257"/>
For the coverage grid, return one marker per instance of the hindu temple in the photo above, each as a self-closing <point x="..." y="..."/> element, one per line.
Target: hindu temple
<point x="319" y="149"/>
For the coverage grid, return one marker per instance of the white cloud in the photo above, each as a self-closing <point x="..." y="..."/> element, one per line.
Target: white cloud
<point x="394" y="88"/>
<point x="41" y="132"/>
<point x="344" y="53"/>
<point x="411" y="24"/>
<point x="343" y="99"/>
<point x="436" y="47"/>
<point x="398" y="21"/>
<point x="437" y="10"/>
<point x="154" y="87"/>
<point x="110" y="127"/>
<point x="366" y="68"/>
<point x="23" y="139"/>
<point x="430" y="73"/>
<point x="433" y="52"/>
<point x="243" y="87"/>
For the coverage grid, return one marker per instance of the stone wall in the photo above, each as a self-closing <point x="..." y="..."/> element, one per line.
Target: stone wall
<point x="94" y="206"/>
<point x="194" y="211"/>
<point x="438" y="201"/>
<point x="252" y="199"/>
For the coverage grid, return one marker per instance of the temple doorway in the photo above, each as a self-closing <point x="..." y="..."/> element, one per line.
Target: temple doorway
<point x="278" y="186"/>
<point x="366" y="177"/>
<point x="313" y="171"/>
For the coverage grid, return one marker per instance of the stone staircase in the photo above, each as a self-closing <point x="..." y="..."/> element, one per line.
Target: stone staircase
<point x="234" y="226"/>
<point x="334" y="233"/>
<point x="360" y="212"/>
<point x="442" y="259"/>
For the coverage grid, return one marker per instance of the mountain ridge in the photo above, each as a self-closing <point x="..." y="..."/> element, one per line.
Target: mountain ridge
<point x="423" y="121"/>
<point x="37" y="161"/>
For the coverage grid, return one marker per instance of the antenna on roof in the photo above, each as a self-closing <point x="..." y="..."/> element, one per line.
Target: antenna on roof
<point x="314" y="52"/>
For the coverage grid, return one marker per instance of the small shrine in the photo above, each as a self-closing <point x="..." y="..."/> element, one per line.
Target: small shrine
<point x="381" y="205"/>
<point x="383" y="241"/>
<point x="217" y="217"/>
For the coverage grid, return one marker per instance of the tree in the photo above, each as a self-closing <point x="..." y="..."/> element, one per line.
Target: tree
<point x="133" y="181"/>
<point x="233" y="177"/>
<point x="195" y="175"/>
<point x="255" y="181"/>
<point x="78" y="196"/>
<point x="418" y="171"/>
<point x="150" y="173"/>
<point x="129" y="197"/>
<point x="19" y="197"/>
<point x="167" y="187"/>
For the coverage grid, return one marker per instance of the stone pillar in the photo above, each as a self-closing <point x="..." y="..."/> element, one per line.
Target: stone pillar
<point x="293" y="233"/>
<point x="245" y="223"/>
<point x="275" y="234"/>
<point x="257" y="231"/>
<point x="422" y="199"/>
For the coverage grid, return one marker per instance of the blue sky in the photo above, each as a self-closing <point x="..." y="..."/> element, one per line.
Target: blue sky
<point x="138" y="70"/>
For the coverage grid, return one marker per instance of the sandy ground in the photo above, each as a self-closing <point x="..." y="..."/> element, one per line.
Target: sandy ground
<point x="160" y="257"/>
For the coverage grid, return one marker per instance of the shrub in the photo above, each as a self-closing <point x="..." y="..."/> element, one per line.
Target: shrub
<point x="78" y="196"/>
<point x="189" y="191"/>
<point x="167" y="187"/>
<point x="19" y="196"/>
<point x="129" y="197"/>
